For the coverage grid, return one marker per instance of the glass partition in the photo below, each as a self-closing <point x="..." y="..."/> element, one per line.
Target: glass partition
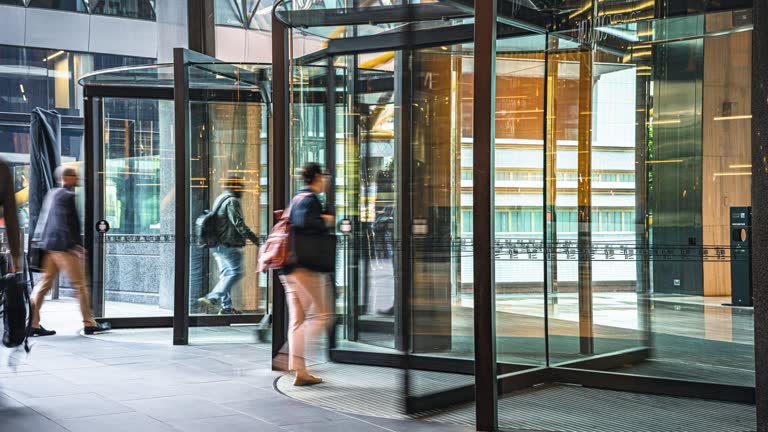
<point x="662" y="186"/>
<point x="136" y="178"/>
<point x="622" y="151"/>
<point x="229" y="152"/>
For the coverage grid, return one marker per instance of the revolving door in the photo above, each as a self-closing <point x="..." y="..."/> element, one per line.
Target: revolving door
<point x="162" y="143"/>
<point x="536" y="247"/>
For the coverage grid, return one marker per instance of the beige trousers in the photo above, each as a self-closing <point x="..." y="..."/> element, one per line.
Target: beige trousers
<point x="309" y="308"/>
<point x="72" y="265"/>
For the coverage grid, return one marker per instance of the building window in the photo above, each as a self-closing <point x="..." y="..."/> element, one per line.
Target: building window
<point x="254" y="14"/>
<point x="567" y="221"/>
<point x="31" y="77"/>
<point x="567" y="176"/>
<point x="466" y="221"/>
<point x="62" y="5"/>
<point x="626" y="178"/>
<point x="261" y="18"/>
<point x="516" y="175"/>
<point x="139" y="9"/>
<point x="613" y="220"/>
<point x="518" y="220"/>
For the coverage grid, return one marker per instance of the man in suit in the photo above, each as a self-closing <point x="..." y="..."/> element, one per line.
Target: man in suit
<point x="60" y="238"/>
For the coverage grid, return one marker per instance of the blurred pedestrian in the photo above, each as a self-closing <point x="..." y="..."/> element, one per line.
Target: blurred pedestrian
<point x="231" y="235"/>
<point x="307" y="290"/>
<point x="59" y="236"/>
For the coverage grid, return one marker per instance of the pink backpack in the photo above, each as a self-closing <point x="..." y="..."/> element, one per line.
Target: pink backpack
<point x="276" y="251"/>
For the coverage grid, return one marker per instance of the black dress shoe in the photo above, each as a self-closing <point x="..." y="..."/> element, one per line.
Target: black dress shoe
<point x="98" y="328"/>
<point x="40" y="331"/>
<point x="229" y="311"/>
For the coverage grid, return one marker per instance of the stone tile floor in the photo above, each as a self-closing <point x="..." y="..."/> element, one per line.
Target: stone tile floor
<point x="73" y="383"/>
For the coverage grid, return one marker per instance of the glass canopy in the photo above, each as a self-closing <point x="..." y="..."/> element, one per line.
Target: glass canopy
<point x="209" y="75"/>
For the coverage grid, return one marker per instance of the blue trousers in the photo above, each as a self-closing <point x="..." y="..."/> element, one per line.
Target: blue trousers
<point x="230" y="263"/>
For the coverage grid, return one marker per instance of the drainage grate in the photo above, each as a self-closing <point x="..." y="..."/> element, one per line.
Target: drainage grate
<point x="377" y="392"/>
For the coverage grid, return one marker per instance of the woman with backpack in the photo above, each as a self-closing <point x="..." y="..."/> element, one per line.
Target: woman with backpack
<point x="307" y="285"/>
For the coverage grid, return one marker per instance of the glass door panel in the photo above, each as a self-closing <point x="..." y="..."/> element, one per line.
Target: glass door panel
<point x="519" y="197"/>
<point x="670" y="158"/>
<point x="441" y="350"/>
<point x="135" y="175"/>
<point x="377" y="208"/>
<point x="229" y="153"/>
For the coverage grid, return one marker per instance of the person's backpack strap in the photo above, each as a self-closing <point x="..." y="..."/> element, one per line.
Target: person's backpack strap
<point x="295" y="200"/>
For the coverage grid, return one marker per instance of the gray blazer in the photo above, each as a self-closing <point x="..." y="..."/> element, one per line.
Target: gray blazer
<point x="62" y="225"/>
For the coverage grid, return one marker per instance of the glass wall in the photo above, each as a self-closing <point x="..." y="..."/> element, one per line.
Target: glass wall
<point x="253" y="14"/>
<point x="48" y="78"/>
<point x="138" y="9"/>
<point x="136" y="181"/>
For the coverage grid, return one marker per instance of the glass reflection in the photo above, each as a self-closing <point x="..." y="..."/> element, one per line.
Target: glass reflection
<point x="140" y="9"/>
<point x="63" y="5"/>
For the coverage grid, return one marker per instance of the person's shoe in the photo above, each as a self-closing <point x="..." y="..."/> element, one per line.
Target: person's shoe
<point x="389" y="311"/>
<point x="205" y="301"/>
<point x="306" y="380"/>
<point x="40" y="331"/>
<point x="98" y="328"/>
<point x="229" y="311"/>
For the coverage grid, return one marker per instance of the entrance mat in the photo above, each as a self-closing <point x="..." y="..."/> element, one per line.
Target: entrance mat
<point x="377" y="392"/>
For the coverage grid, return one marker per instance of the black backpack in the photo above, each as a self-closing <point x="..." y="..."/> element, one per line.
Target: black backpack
<point x="17" y="310"/>
<point x="205" y="226"/>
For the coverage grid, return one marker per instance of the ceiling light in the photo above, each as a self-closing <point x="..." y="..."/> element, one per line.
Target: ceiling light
<point x="54" y="55"/>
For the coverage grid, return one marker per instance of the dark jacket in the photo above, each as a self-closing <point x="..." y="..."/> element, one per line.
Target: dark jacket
<point x="231" y="229"/>
<point x="62" y="224"/>
<point x="307" y="215"/>
<point x="10" y="214"/>
<point x="306" y="222"/>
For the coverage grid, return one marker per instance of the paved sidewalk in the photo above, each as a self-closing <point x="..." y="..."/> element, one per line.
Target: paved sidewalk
<point x="73" y="383"/>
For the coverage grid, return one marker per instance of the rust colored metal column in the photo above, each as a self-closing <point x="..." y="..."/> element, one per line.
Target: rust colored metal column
<point x="484" y="134"/>
<point x="278" y="165"/>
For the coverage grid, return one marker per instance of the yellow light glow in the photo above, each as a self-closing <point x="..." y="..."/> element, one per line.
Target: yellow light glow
<point x="662" y="122"/>
<point x="740" y="166"/>
<point x="665" y="161"/>
<point x="733" y="174"/>
<point x="738" y="117"/>
<point x="54" y="55"/>
<point x="533" y="111"/>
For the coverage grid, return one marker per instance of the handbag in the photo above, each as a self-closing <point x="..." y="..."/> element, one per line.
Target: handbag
<point x="315" y="252"/>
<point x="17" y="310"/>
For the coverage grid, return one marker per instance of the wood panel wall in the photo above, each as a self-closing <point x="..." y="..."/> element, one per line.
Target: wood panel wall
<point x="726" y="147"/>
<point x="235" y="150"/>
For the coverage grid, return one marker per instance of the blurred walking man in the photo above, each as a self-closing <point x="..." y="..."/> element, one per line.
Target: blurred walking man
<point x="60" y="238"/>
